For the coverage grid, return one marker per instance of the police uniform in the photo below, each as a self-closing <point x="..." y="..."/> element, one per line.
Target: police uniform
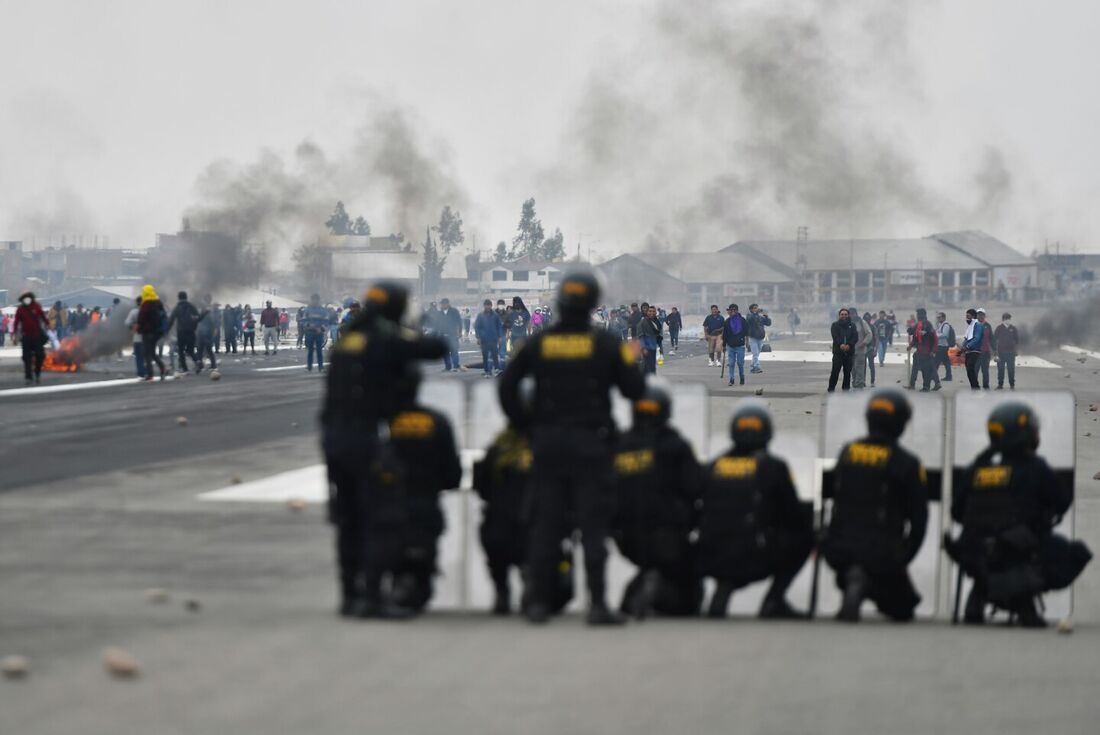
<point x="657" y="480"/>
<point x="503" y="481"/>
<point x="879" y="514"/>
<point x="1008" y="502"/>
<point x="752" y="524"/>
<point x="365" y="478"/>
<point x="574" y="368"/>
<point x="423" y="441"/>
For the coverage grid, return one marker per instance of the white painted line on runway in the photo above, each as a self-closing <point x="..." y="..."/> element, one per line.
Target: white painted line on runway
<point x="309" y="484"/>
<point x="1027" y="361"/>
<point x="1081" y="351"/>
<point x="283" y="367"/>
<point x="65" y="388"/>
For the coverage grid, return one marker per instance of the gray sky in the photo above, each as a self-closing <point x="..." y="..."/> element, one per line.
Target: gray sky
<point x="623" y="119"/>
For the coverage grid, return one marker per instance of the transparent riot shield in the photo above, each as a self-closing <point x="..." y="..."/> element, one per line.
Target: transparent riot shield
<point x="924" y="436"/>
<point x="799" y="451"/>
<point x="448" y="396"/>
<point x="1058" y="446"/>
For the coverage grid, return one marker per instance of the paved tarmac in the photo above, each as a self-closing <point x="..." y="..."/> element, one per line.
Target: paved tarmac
<point x="98" y="505"/>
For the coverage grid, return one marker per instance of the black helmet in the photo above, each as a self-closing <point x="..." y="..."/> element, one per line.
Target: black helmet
<point x="751" y="427"/>
<point x="1013" y="427"/>
<point x="578" y="294"/>
<point x="387" y="299"/>
<point x="888" y="412"/>
<point x="654" y="407"/>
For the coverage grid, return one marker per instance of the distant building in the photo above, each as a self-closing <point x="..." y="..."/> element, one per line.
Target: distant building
<point x="521" y="277"/>
<point x="359" y="260"/>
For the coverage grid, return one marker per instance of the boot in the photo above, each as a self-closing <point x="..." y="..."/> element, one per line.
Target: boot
<point x="537" y="613"/>
<point x="779" y="609"/>
<point x="855" y="590"/>
<point x="975" y="606"/>
<point x="1026" y="613"/>
<point x="378" y="610"/>
<point x="642" y="604"/>
<point x="502" y="605"/>
<point x="720" y="601"/>
<point x="600" y="614"/>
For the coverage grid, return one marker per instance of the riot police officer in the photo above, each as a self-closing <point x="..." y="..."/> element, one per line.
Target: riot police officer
<point x="424" y="442"/>
<point x="503" y="481"/>
<point x="752" y="524"/>
<point x="879" y="515"/>
<point x="657" y="479"/>
<point x="364" y="477"/>
<point x="1008" y="502"/>
<point x="574" y="367"/>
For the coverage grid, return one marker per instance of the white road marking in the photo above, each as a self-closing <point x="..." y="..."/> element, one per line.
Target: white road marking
<point x="1027" y="361"/>
<point x="66" y="387"/>
<point x="283" y="367"/>
<point x="1081" y="351"/>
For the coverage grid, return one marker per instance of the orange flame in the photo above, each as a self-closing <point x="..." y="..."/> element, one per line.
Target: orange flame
<point x="67" y="358"/>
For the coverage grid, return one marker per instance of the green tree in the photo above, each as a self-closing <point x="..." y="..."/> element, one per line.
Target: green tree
<point x="529" y="236"/>
<point x="553" y="248"/>
<point x="313" y="264"/>
<point x="360" y="227"/>
<point x="450" y="229"/>
<point x="431" y="267"/>
<point x="501" y="253"/>
<point x="339" y="223"/>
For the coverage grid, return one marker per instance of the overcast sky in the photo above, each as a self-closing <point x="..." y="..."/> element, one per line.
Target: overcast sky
<point x="110" y="111"/>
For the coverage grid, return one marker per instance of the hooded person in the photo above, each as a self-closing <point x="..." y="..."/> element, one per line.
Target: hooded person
<point x="31" y="326"/>
<point x="1008" y="502"/>
<point x="879" y="515"/>
<point x="752" y="525"/>
<point x="574" y="367"/>
<point x="185" y="318"/>
<point x="519" y="323"/>
<point x="152" y="325"/>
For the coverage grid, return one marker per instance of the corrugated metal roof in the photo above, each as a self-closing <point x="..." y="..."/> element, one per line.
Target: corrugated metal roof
<point x="874" y="254"/>
<point x="720" y="267"/>
<point x="984" y="247"/>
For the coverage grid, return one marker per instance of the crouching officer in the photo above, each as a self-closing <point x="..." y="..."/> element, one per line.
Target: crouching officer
<point x="752" y="524"/>
<point x="365" y="483"/>
<point x="879" y="516"/>
<point x="503" y="480"/>
<point x="1008" y="502"/>
<point x="424" y="442"/>
<point x="574" y="367"/>
<point x="657" y="481"/>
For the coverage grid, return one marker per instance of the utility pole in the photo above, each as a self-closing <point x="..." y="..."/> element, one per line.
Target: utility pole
<point x="800" y="263"/>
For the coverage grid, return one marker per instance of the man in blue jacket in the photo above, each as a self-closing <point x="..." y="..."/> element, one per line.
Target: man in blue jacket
<point x="758" y="319"/>
<point x="315" y="322"/>
<point x="734" y="333"/>
<point x="489" y="330"/>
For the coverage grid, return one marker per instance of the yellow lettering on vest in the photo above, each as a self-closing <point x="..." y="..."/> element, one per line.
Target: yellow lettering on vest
<point x="867" y="455"/>
<point x="735" y="468"/>
<point x="352" y="342"/>
<point x="412" y="425"/>
<point x="567" y="346"/>
<point x="634" y="463"/>
<point x="998" y="476"/>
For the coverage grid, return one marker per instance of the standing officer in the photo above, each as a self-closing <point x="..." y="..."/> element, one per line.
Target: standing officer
<point x="424" y="443"/>
<point x="368" y="363"/>
<point x="880" y="514"/>
<point x="752" y="525"/>
<point x="1007" y="504"/>
<point x="658" y="481"/>
<point x="574" y="367"/>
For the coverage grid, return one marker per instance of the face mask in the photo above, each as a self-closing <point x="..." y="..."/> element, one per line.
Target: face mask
<point x="27" y="301"/>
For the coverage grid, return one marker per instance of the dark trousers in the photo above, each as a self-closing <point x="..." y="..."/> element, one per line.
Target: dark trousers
<point x="983" y="365"/>
<point x="450" y="360"/>
<point x="841" y="361"/>
<point x="786" y="553"/>
<point x="248" y="338"/>
<point x="490" y="356"/>
<point x="943" y="358"/>
<point x="204" y="349"/>
<point x="925" y="365"/>
<point x="139" y="359"/>
<point x="301" y="336"/>
<point x="573" y="487"/>
<point x="230" y="341"/>
<point x="1007" y="362"/>
<point x="649" y="361"/>
<point x="185" y="346"/>
<point x="973" y="362"/>
<point x="315" y="345"/>
<point x="674" y="338"/>
<point x="149" y="350"/>
<point x="34" y="354"/>
<point x="871" y="365"/>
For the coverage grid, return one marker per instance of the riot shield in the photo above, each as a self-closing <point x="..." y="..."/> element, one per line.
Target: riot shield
<point x="1058" y="446"/>
<point x="924" y="436"/>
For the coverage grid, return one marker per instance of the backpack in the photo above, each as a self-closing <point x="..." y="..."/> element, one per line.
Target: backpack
<point x="951" y="336"/>
<point x="163" y="320"/>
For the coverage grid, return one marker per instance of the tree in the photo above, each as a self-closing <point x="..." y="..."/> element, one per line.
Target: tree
<point x="360" y="227"/>
<point x="529" y="237"/>
<point x="314" y="264"/>
<point x="431" y="268"/>
<point x="501" y="253"/>
<point x="553" y="248"/>
<point x="339" y="223"/>
<point x="449" y="229"/>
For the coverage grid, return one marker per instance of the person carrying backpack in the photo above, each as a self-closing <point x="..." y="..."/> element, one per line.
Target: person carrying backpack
<point x="186" y="318"/>
<point x="152" y="324"/>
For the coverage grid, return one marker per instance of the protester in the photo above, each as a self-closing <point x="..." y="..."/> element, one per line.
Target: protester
<point x="923" y="342"/>
<point x="505" y="316"/>
<point x="845" y="337"/>
<point x="185" y="317"/>
<point x="757" y="320"/>
<point x="864" y="342"/>
<point x="972" y="343"/>
<point x="519" y="324"/>
<point x="269" y="320"/>
<point x="633" y="318"/>
<point x="1007" y="341"/>
<point x="872" y="349"/>
<point x="675" y="323"/>
<point x="299" y="317"/>
<point x="945" y="340"/>
<point x="713" y="327"/>
<point x="204" y="338"/>
<point x="31" y="325"/>
<point x="231" y="326"/>
<point x="793" y="320"/>
<point x="58" y="317"/>
<point x="152" y="324"/>
<point x="649" y="334"/>
<point x="449" y="326"/>
<point x="488" y="330"/>
<point x="986" y="348"/>
<point x="248" y="330"/>
<point x="131" y="327"/>
<point x="734" y="333"/>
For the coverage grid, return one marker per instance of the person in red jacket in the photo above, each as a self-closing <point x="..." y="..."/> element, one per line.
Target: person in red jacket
<point x="31" y="326"/>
